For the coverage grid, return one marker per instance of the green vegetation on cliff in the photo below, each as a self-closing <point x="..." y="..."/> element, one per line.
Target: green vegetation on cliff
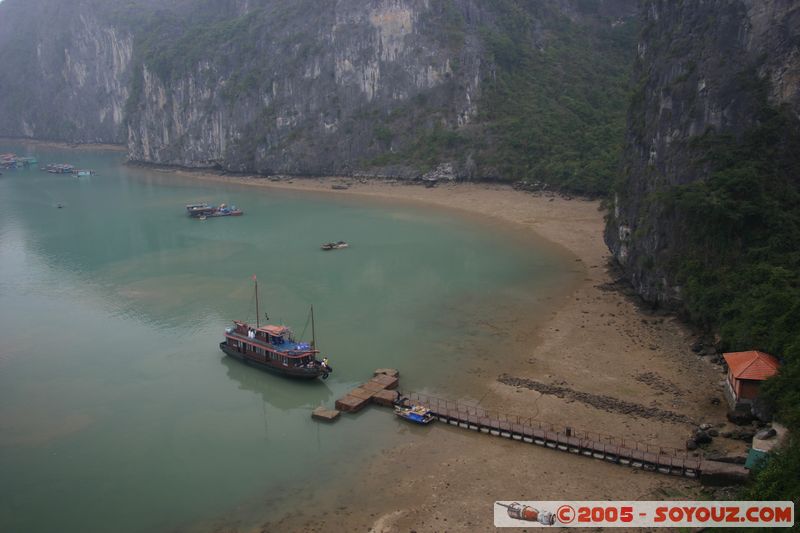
<point x="505" y="90"/>
<point x="556" y="111"/>
<point x="740" y="271"/>
<point x="553" y="104"/>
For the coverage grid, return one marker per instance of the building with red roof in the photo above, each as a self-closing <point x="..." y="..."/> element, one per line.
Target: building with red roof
<point x="746" y="371"/>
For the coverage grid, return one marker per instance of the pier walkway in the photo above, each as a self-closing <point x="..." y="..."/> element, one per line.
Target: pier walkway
<point x="623" y="451"/>
<point x="628" y="452"/>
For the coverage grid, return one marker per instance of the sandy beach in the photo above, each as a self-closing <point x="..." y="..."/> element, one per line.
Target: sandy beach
<point x="598" y="362"/>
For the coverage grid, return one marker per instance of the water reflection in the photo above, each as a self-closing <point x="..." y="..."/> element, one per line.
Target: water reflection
<point x="279" y="392"/>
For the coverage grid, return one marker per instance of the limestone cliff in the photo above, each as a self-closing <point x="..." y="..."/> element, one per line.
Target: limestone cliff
<point x="65" y="72"/>
<point x="704" y="71"/>
<point x="307" y="91"/>
<point x="505" y="89"/>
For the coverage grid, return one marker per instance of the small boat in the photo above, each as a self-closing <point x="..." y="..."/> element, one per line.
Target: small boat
<point x="60" y="168"/>
<point x="82" y="173"/>
<point x="338" y="245"/>
<point x="199" y="210"/>
<point x="225" y="211"/>
<point x="203" y="211"/>
<point x="274" y="349"/>
<point x="419" y="414"/>
<point x="8" y="161"/>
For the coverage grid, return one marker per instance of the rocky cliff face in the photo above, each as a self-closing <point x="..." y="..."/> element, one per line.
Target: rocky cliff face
<point x="66" y="72"/>
<point x="308" y="90"/>
<point x="702" y="69"/>
<point x="391" y="87"/>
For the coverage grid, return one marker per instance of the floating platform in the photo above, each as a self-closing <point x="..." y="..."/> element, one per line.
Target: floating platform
<point x="351" y="404"/>
<point x="377" y="389"/>
<point x="388" y="382"/>
<point x="328" y="415"/>
<point x="388" y="371"/>
<point x="384" y="398"/>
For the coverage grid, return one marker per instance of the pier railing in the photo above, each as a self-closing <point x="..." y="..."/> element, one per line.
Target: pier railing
<point x="440" y="405"/>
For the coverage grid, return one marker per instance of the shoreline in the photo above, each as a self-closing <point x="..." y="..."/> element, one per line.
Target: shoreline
<point x="65" y="145"/>
<point x="464" y="197"/>
<point x="594" y="341"/>
<point x="589" y="341"/>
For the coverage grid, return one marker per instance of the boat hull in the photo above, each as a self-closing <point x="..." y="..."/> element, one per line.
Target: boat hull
<point x="290" y="372"/>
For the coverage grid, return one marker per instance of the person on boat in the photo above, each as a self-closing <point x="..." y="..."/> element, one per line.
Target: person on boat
<point x="400" y="400"/>
<point x="324" y="362"/>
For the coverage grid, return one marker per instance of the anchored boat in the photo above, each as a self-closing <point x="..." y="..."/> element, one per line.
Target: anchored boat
<point x="12" y="161"/>
<point x="203" y="211"/>
<point x="60" y="168"/>
<point x="413" y="412"/>
<point x="338" y="245"/>
<point x="418" y="414"/>
<point x="274" y="349"/>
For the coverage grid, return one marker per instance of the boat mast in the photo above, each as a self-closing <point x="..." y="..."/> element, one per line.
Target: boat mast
<point x="256" y="288"/>
<point x="313" y="333"/>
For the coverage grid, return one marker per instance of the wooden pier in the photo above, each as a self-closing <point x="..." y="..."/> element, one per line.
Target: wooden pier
<point x="627" y="452"/>
<point x="355" y="400"/>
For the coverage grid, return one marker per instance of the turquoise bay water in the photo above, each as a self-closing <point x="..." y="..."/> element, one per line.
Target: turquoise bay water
<point x="118" y="412"/>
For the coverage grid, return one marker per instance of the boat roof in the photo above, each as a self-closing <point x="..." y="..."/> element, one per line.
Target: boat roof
<point x="269" y="328"/>
<point x="274" y="330"/>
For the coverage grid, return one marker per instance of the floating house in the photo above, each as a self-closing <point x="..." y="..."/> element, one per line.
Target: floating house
<point x="746" y="371"/>
<point x="60" y="169"/>
<point x="8" y="161"/>
<point x="11" y="161"/>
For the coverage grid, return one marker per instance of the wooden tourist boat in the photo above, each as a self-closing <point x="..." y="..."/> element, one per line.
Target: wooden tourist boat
<point x="274" y="349"/>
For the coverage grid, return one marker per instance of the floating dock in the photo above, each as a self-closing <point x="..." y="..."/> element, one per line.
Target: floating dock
<point x="665" y="460"/>
<point x="383" y="382"/>
<point x="328" y="415"/>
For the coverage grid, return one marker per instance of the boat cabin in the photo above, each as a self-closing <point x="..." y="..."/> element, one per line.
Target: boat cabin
<point x="270" y="344"/>
<point x="199" y="210"/>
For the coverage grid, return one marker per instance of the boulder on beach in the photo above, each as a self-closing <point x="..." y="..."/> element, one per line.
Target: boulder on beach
<point x="767" y="433"/>
<point x="740" y="418"/>
<point x="702" y="437"/>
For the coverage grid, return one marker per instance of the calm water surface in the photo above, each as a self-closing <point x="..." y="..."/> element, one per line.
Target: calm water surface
<point x="118" y="412"/>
